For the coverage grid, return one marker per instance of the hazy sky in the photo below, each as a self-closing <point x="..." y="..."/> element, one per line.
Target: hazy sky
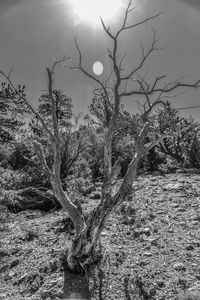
<point x="34" y="32"/>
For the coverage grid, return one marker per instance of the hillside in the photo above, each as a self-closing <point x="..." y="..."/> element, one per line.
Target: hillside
<point x="151" y="246"/>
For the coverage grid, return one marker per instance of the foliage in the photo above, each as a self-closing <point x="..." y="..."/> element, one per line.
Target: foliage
<point x="182" y="146"/>
<point x="73" y="139"/>
<point x="10" y="179"/>
<point x="63" y="109"/>
<point x="100" y="112"/>
<point x="10" y="105"/>
<point x="153" y="160"/>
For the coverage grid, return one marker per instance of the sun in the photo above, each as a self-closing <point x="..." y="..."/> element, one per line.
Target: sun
<point x="91" y="11"/>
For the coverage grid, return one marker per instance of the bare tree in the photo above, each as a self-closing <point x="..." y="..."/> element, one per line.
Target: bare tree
<point x="123" y="85"/>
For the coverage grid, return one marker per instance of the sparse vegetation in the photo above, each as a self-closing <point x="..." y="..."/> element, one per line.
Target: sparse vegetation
<point x="115" y="226"/>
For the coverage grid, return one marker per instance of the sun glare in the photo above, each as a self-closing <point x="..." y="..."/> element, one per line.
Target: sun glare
<point x="90" y="11"/>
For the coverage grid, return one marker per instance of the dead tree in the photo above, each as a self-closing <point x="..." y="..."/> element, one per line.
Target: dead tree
<point x="123" y="84"/>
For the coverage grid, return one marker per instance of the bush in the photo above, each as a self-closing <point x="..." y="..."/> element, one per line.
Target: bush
<point x="10" y="179"/>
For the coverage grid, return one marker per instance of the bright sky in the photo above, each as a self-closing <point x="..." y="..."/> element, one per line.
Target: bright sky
<point x="34" y="33"/>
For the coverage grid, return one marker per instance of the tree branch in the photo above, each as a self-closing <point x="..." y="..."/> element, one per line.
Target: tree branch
<point x="39" y="151"/>
<point x="168" y="88"/>
<point x="143" y="21"/>
<point x="144" y="57"/>
<point x="82" y="69"/>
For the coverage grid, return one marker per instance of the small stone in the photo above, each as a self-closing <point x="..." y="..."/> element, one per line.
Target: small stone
<point x="195" y="222"/>
<point x="196" y="243"/>
<point x="160" y="283"/>
<point x="137" y="232"/>
<point x="103" y="234"/>
<point x="182" y="223"/>
<point x="157" y="173"/>
<point x="147" y="231"/>
<point x="152" y="216"/>
<point x="143" y="263"/>
<point x="181" y="209"/>
<point x="96" y="195"/>
<point x="197" y="276"/>
<point x="189" y="247"/>
<point x="153" y="242"/>
<point x="147" y="254"/>
<point x="179" y="267"/>
<point x="175" y="205"/>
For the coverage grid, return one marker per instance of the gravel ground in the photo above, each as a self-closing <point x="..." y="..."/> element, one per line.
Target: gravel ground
<point x="151" y="246"/>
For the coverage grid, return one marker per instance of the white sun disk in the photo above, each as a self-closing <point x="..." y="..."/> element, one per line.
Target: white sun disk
<point x="92" y="10"/>
<point x="97" y="68"/>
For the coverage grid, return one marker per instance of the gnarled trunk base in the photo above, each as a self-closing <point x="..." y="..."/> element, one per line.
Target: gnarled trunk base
<point x="76" y="286"/>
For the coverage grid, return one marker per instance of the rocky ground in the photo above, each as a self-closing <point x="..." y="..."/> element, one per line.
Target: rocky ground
<point x="151" y="246"/>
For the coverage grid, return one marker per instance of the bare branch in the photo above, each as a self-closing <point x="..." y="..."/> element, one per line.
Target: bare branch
<point x="82" y="69"/>
<point x="108" y="78"/>
<point x="158" y="78"/>
<point x="168" y="88"/>
<point x="157" y="141"/>
<point x="115" y="169"/>
<point x="144" y="57"/>
<point x="127" y="11"/>
<point x="58" y="62"/>
<point x="107" y="30"/>
<point x="143" y="21"/>
<point x="53" y="104"/>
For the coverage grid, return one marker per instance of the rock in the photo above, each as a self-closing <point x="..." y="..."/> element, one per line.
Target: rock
<point x="32" y="198"/>
<point x="157" y="173"/>
<point x="160" y="283"/>
<point x="96" y="195"/>
<point x="137" y="232"/>
<point x="147" y="231"/>
<point x="103" y="234"/>
<point x="197" y="276"/>
<point x="196" y="218"/>
<point x="152" y="216"/>
<point x="179" y="267"/>
<point x="181" y="209"/>
<point x="147" y="254"/>
<point x="143" y="263"/>
<point x="195" y="222"/>
<point x="189" y="247"/>
<point x="153" y="242"/>
<point x="172" y="186"/>
<point x="196" y="243"/>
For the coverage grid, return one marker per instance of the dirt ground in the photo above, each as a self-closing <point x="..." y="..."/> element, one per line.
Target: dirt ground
<point x="151" y="246"/>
